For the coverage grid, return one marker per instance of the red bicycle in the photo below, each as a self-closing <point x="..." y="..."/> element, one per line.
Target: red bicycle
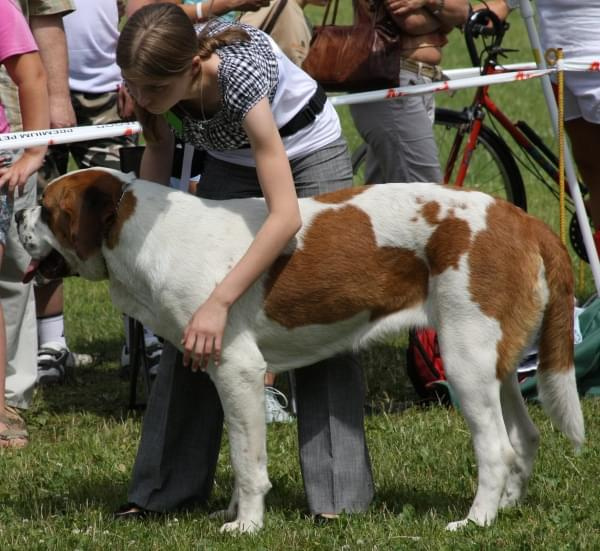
<point x="474" y="154"/>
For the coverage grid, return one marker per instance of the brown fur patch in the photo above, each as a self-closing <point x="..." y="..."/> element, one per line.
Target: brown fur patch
<point x="449" y="241"/>
<point x="341" y="195"/>
<point x="340" y="272"/>
<point x="81" y="208"/>
<point x="431" y="212"/>
<point x="512" y="295"/>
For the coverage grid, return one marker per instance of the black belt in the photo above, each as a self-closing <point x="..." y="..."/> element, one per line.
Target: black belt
<point x="306" y="115"/>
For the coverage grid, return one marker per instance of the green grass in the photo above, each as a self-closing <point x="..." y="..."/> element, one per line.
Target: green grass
<point x="60" y="492"/>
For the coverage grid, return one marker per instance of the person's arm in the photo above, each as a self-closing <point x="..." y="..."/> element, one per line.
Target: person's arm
<point x="210" y="8"/>
<point x="49" y="34"/>
<point x="203" y="335"/>
<point x="27" y="72"/>
<point x="221" y="7"/>
<point x="424" y="16"/>
<point x="413" y="23"/>
<point x="157" y="159"/>
<point x="499" y="7"/>
<point x="134" y="5"/>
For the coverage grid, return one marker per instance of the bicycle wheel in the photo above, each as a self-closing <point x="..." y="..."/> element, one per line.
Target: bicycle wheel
<point x="492" y="168"/>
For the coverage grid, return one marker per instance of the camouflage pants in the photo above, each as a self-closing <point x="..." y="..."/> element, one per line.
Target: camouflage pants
<point x="6" y="205"/>
<point x="89" y="109"/>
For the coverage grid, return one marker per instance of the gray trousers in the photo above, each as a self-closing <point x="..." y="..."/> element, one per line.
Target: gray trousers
<point x="182" y="427"/>
<point x="18" y="303"/>
<point x="399" y="137"/>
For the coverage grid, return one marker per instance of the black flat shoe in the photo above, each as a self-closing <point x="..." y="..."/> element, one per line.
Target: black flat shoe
<point x="131" y="511"/>
<point x="323" y="519"/>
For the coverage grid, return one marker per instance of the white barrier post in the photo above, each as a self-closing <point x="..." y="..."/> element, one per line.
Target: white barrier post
<point x="54" y="136"/>
<point x="586" y="232"/>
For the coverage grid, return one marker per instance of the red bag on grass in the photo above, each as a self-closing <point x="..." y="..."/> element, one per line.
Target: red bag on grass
<point x="424" y="366"/>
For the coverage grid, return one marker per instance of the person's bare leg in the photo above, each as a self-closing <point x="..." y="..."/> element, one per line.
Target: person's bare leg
<point x="49" y="299"/>
<point x="54" y="357"/>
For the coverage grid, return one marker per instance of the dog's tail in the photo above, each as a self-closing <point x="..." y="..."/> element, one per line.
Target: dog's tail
<point x="557" y="386"/>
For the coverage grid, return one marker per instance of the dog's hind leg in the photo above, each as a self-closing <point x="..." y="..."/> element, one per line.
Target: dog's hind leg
<point x="524" y="437"/>
<point x="240" y="383"/>
<point x="470" y="364"/>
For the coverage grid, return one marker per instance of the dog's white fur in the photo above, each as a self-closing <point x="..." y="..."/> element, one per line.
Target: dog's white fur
<point x="172" y="249"/>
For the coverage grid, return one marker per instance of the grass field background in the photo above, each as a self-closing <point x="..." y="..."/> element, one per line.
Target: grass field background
<point x="60" y="492"/>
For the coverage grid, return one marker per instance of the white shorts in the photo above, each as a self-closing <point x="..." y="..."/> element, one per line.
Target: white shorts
<point x="582" y="96"/>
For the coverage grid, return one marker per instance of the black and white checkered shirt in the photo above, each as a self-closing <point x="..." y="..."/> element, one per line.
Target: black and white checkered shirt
<point x="248" y="72"/>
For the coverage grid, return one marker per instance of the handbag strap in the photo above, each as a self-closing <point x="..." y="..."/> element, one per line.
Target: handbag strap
<point x="335" y="10"/>
<point x="362" y="11"/>
<point x="273" y="16"/>
<point x="368" y="11"/>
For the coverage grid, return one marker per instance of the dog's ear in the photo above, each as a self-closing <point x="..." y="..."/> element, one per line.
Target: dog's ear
<point x="90" y="220"/>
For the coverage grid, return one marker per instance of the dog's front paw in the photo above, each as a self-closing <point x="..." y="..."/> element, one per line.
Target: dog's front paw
<point x="471" y="520"/>
<point x="240" y="527"/>
<point x="457" y="525"/>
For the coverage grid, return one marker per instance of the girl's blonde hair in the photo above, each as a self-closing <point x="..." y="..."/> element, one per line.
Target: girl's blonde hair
<point x="159" y="41"/>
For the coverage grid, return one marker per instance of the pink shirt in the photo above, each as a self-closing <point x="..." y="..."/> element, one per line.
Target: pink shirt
<point x="15" y="39"/>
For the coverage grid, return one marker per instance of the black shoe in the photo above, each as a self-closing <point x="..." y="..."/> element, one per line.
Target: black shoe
<point x="131" y="511"/>
<point x="324" y="519"/>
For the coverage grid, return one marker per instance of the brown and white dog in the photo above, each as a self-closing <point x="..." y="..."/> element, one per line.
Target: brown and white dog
<point x="367" y="262"/>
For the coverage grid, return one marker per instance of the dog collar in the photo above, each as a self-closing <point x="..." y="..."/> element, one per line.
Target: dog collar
<point x="124" y="189"/>
<point x="108" y="227"/>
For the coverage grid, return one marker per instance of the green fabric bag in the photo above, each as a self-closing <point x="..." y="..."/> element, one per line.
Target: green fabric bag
<point x="587" y="355"/>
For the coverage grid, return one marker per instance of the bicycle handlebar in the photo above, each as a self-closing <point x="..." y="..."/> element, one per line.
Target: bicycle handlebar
<point x="482" y="30"/>
<point x="484" y="23"/>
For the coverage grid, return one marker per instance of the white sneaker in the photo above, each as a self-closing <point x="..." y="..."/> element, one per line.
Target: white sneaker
<point x="275" y="404"/>
<point x="153" y="353"/>
<point x="154" y="350"/>
<point x="55" y="360"/>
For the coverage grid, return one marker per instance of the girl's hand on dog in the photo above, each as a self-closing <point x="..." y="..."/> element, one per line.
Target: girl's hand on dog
<point x="14" y="177"/>
<point x="203" y="335"/>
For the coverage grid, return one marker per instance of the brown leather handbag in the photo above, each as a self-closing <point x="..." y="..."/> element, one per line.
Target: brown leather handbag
<point x="358" y="57"/>
<point x="284" y="20"/>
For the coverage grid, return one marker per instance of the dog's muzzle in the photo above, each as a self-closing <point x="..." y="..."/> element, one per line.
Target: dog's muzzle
<point x="52" y="266"/>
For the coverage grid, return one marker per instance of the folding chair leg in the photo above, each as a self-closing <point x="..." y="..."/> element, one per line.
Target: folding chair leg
<point x="137" y="351"/>
<point x="292" y="385"/>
